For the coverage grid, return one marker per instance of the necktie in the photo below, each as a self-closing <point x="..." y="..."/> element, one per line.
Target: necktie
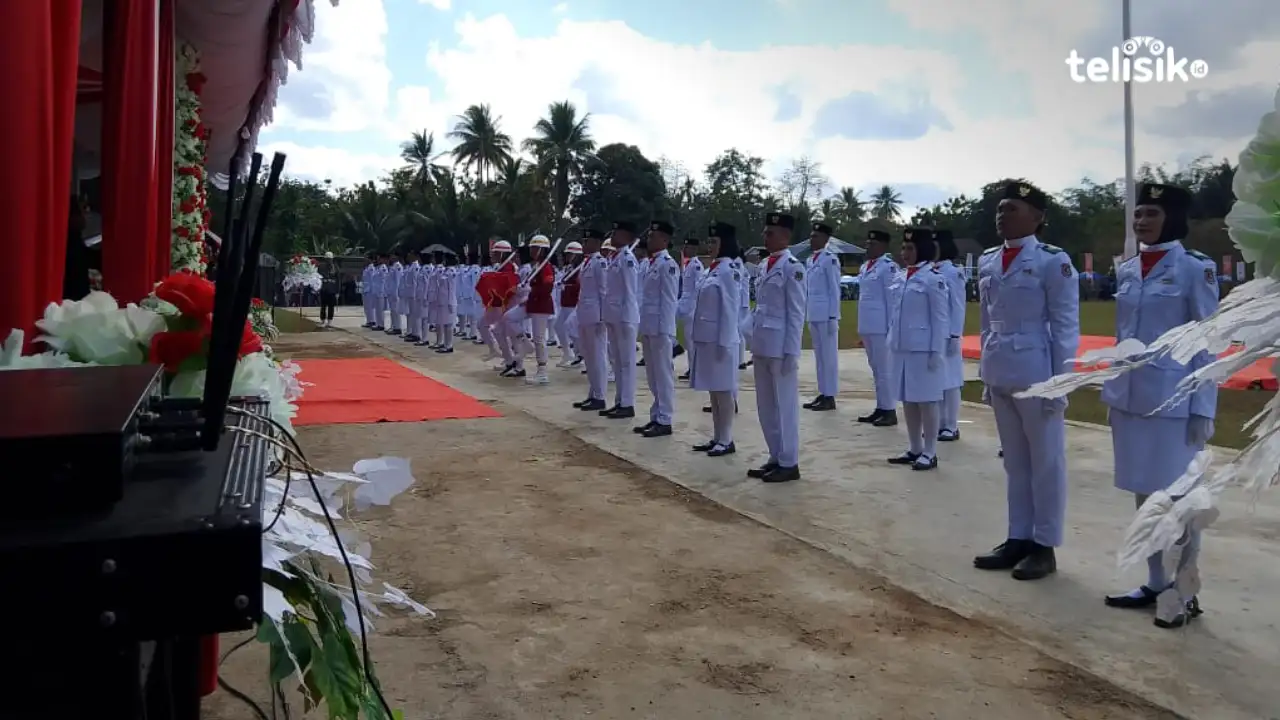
<point x="1149" y="260"/>
<point x="772" y="259"/>
<point x="1007" y="257"/>
<point x="912" y="271"/>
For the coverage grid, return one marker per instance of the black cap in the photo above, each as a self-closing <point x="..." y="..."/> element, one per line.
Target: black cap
<point x="912" y="234"/>
<point x="662" y="226"/>
<point x="1173" y="199"/>
<point x="723" y="231"/>
<point x="1026" y="192"/>
<point x="624" y="226"/>
<point x="922" y="238"/>
<point x="781" y="220"/>
<point x="592" y="234"/>
<point x="692" y="241"/>
<point x="947" y="249"/>
<point x="878" y="236"/>
<point x="821" y="227"/>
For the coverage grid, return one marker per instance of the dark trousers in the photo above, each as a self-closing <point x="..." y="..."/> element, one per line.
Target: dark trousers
<point x="328" y="300"/>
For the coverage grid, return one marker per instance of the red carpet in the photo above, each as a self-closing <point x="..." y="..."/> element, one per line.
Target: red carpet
<point x="372" y="390"/>
<point x="1255" y="377"/>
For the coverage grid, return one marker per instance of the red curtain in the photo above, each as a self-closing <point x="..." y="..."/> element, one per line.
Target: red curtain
<point x="40" y="51"/>
<point x="128" y="148"/>
<point x="163" y="177"/>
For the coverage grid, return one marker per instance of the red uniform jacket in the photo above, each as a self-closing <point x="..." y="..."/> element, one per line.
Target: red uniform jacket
<point x="496" y="287"/>
<point x="569" y="291"/>
<point x="540" y="286"/>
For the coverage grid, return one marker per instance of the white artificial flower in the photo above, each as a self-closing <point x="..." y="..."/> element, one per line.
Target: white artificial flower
<point x="97" y="330"/>
<point x="1257" y="233"/>
<point x="11" y="357"/>
<point x="256" y="376"/>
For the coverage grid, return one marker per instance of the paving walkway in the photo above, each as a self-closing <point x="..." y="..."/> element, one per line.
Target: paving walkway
<point x="920" y="530"/>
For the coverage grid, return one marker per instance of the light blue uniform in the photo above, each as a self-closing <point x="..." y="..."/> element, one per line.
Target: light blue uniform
<point x="689" y="278"/>
<point x="823" y="298"/>
<point x="1152" y="451"/>
<point x="366" y="294"/>
<point x="659" y="293"/>
<point x="954" y="375"/>
<point x="591" y="330"/>
<point x="622" y="318"/>
<point x="715" y="334"/>
<point x="776" y="330"/>
<point x="919" y="325"/>
<point x="383" y="286"/>
<point x="1030" y="317"/>
<point x="875" y="281"/>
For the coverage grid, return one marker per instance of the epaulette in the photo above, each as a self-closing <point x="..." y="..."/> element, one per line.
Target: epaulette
<point x="1199" y="256"/>
<point x="990" y="250"/>
<point x="792" y="260"/>
<point x="1051" y="249"/>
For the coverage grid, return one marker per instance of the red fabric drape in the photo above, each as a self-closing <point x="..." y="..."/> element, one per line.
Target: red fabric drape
<point x="128" y="148"/>
<point x="40" y="49"/>
<point x="163" y="193"/>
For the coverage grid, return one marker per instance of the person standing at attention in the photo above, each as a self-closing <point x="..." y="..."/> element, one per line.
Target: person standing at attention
<point x="714" y="336"/>
<point x="1030" y="308"/>
<point x="591" y="330"/>
<point x="953" y="376"/>
<point x="621" y="317"/>
<point x="876" y="278"/>
<point x="918" y="331"/>
<point x="777" y="328"/>
<point x="1163" y="287"/>
<point x="569" y="289"/>
<point x="823" y="289"/>
<point x="659" y="290"/>
<point x="690" y="276"/>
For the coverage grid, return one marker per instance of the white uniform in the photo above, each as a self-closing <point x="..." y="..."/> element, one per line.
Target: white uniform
<point x="643" y="271"/>
<point x="622" y="316"/>
<point x="394" y="303"/>
<point x="566" y="326"/>
<point x="777" y="329"/>
<point x="954" y="374"/>
<point x="715" y="335"/>
<point x="690" y="276"/>
<point x="744" y="309"/>
<point x="420" y="308"/>
<point x="875" y="290"/>
<point x="591" y="328"/>
<point x="918" y="330"/>
<point x="1030" y="332"/>
<point x="444" y="309"/>
<point x="659" y="293"/>
<point x="367" y="299"/>
<point x="823" y="291"/>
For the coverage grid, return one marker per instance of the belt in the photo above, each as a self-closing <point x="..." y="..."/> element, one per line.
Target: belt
<point x="1000" y="327"/>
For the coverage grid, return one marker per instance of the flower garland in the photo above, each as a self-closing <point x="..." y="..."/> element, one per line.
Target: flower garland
<point x="190" y="145"/>
<point x="300" y="272"/>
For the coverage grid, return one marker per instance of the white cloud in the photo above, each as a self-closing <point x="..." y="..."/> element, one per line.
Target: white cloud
<point x="438" y="4"/>
<point x="691" y="102"/>
<point x="343" y="167"/>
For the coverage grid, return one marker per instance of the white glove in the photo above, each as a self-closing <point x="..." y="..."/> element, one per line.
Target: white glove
<point x="1054" y="406"/>
<point x="986" y="395"/>
<point x="935" y="361"/>
<point x="1199" y="430"/>
<point x="790" y="364"/>
<point x="953" y="347"/>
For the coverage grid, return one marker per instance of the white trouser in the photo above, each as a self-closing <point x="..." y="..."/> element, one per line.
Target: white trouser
<point x="877" y="347"/>
<point x="494" y="334"/>
<point x="370" y="308"/>
<point x="592" y="343"/>
<point x="660" y="374"/>
<point x="518" y="340"/>
<point x="1035" y="466"/>
<point x="444" y="317"/>
<point x="778" y="405"/>
<point x="622" y="349"/>
<point x="686" y="329"/>
<point x="561" y="325"/>
<point x="825" y="336"/>
<point x="385" y="308"/>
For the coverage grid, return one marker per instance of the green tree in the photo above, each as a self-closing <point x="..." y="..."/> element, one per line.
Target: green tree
<point x="560" y="145"/>
<point x="482" y="146"/>
<point x="619" y="183"/>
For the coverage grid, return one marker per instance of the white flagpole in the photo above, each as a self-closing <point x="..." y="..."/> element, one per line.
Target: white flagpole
<point x="1130" y="188"/>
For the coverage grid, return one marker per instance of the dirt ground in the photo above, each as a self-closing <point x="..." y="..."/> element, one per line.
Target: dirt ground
<point x="570" y="584"/>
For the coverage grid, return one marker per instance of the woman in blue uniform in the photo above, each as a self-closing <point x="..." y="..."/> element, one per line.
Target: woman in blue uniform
<point x="919" y="327"/>
<point x="1163" y="287"/>
<point x="953" y="374"/>
<point x="713" y="365"/>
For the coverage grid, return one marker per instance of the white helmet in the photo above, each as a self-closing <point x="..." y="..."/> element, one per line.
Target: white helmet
<point x="539" y="241"/>
<point x="573" y="248"/>
<point x="607" y="244"/>
<point x="501" y="246"/>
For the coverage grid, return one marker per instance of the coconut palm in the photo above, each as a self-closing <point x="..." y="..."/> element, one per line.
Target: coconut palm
<point x="850" y="206"/>
<point x="482" y="146"/>
<point x="419" y="154"/>
<point x="561" y="143"/>
<point x="886" y="204"/>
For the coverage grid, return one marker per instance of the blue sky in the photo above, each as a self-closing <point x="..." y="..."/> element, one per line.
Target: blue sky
<point x="933" y="98"/>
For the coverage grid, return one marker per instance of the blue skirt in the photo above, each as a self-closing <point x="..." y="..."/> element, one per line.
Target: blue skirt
<point x="1150" y="452"/>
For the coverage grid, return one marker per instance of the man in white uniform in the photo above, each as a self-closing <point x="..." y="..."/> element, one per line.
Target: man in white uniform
<point x="777" y="329"/>
<point x="689" y="279"/>
<point x="392" y="289"/>
<point x="591" y="329"/>
<point x="876" y="281"/>
<point x="823" y="290"/>
<point x="660" y="294"/>
<point x="621" y="317"/>
<point x="367" y="298"/>
<point x="642" y="261"/>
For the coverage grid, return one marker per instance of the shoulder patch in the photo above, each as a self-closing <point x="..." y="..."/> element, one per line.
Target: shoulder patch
<point x="1052" y="249"/>
<point x="631" y="263"/>
<point x="735" y="275"/>
<point x="1066" y="270"/>
<point x="991" y="250"/>
<point x="1209" y="276"/>
<point x="835" y="261"/>
<point x="799" y="275"/>
<point x="672" y="270"/>
<point x="1199" y="255"/>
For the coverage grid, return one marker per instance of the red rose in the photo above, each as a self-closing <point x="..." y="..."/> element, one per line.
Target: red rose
<point x="249" y="341"/>
<point x="190" y="293"/>
<point x="171" y="349"/>
<point x="195" y="81"/>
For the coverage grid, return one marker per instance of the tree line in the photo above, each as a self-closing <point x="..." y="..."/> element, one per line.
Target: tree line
<point x="557" y="179"/>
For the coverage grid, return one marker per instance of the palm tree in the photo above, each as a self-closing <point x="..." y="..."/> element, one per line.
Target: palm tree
<point x="419" y="154"/>
<point x="886" y="204"/>
<point x="852" y="208"/>
<point x="482" y="146"/>
<point x="561" y="143"/>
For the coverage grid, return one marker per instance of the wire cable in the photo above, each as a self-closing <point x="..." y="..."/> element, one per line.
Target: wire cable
<point x="231" y="689"/>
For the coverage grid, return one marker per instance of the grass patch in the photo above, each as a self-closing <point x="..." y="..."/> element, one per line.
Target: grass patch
<point x="289" y="321"/>
<point x="1235" y="408"/>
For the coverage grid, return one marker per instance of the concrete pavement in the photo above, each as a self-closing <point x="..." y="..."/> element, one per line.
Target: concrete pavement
<point x="921" y="530"/>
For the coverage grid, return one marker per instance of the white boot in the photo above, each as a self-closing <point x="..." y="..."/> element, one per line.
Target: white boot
<point x="539" y="378"/>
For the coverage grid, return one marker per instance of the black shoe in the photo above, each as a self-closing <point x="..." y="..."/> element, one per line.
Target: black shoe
<point x="742" y="366"/>
<point x="706" y="408"/>
<point x="720" y="450"/>
<point x="394" y="332"/>
<point x="749" y="363"/>
<point x="380" y="328"/>
<point x="948" y="435"/>
<point x="1005" y="556"/>
<point x="823" y="404"/>
<point x="517" y="373"/>
<point x="889" y="418"/>
<point x="906" y="458"/>
<point x="1001" y="453"/>
<point x="782" y="474"/>
<point x="580" y="403"/>
<point x="576" y="361"/>
<point x="639" y="429"/>
<point x="705" y="447"/>
<point x="1145" y="598"/>
<point x="422" y="343"/>
<point x="657" y="430"/>
<point x="677" y="351"/>
<point x="444" y="350"/>
<point x="874" y="416"/>
<point x="609" y="410"/>
<point x="925" y="463"/>
<point x="621" y="413"/>
<point x="640" y="362"/>
<point x="684" y="376"/>
<point x="410" y="338"/>
<point x="809" y="405"/>
<point x="763" y="470"/>
<point x="1040" y="563"/>
<point x="590" y="405"/>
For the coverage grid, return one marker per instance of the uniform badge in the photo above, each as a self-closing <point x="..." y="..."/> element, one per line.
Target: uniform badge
<point x="799" y="275"/>
<point x="631" y="263"/>
<point x="1208" y="276"/>
<point x="942" y="285"/>
<point x="672" y="269"/>
<point x="1066" y="270"/>
<point x="735" y="275"/>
